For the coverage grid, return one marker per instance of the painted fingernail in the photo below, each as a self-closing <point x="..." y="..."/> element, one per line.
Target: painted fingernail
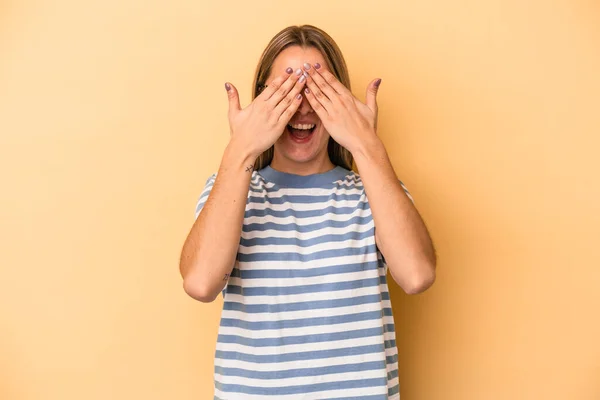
<point x="298" y="71"/>
<point x="317" y="66"/>
<point x="306" y="66"/>
<point x="302" y="79"/>
<point x="227" y="87"/>
<point x="298" y="96"/>
<point x="377" y="82"/>
<point x="306" y="90"/>
<point x="289" y="70"/>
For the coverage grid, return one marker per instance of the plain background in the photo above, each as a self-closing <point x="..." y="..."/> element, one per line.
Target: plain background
<point x="113" y="114"/>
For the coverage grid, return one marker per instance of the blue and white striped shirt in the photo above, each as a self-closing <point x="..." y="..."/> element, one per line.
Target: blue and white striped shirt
<point x="307" y="313"/>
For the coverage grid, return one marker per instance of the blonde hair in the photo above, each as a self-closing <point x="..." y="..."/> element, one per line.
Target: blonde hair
<point x="304" y="36"/>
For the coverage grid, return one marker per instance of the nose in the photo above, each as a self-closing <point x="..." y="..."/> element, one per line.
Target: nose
<point x="305" y="107"/>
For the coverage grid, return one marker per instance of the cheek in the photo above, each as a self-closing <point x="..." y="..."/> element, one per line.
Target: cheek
<point x="323" y="133"/>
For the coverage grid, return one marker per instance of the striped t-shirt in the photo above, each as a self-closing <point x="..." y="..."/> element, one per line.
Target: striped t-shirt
<point x="307" y="313"/>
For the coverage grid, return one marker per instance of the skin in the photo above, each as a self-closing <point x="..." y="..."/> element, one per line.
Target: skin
<point x="401" y="234"/>
<point x="289" y="156"/>
<point x="209" y="253"/>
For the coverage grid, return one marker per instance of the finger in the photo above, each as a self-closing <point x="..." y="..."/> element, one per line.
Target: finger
<point x="317" y="94"/>
<point x="371" y="98"/>
<point x="288" y="113"/>
<point x="316" y="105"/>
<point x="331" y="80"/>
<point x="234" y="99"/>
<point x="290" y="98"/>
<point x="285" y="88"/>
<point x="325" y="87"/>
<point x="275" y="84"/>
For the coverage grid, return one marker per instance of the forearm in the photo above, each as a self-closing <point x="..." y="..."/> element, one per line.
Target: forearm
<point x="210" y="250"/>
<point x="402" y="236"/>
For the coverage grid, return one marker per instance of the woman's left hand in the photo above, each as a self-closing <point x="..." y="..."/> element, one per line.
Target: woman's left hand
<point x="347" y="120"/>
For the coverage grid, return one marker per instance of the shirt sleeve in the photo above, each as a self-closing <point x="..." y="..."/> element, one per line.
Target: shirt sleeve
<point x="406" y="191"/>
<point x="205" y="193"/>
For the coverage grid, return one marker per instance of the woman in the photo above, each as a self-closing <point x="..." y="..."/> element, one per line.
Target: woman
<point x="300" y="245"/>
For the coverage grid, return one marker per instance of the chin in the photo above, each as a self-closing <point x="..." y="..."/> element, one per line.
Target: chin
<point x="298" y="155"/>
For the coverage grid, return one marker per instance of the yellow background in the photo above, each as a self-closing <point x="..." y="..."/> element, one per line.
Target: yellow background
<point x="113" y="114"/>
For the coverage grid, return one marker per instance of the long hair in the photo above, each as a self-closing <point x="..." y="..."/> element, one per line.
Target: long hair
<point x="304" y="36"/>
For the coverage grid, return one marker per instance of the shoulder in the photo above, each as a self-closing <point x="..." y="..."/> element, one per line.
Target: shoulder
<point x="259" y="183"/>
<point x="349" y="180"/>
<point x="356" y="179"/>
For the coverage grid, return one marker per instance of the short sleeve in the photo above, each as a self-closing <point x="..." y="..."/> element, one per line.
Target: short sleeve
<point x="204" y="195"/>
<point x="406" y="191"/>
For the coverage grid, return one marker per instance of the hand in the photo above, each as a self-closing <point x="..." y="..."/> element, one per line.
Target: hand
<point x="257" y="127"/>
<point x="347" y="119"/>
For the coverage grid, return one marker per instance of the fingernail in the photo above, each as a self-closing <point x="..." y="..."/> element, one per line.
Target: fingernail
<point x="289" y="70"/>
<point x="306" y="90"/>
<point x="302" y="79"/>
<point x="298" y="96"/>
<point x="377" y="82"/>
<point x="227" y="87"/>
<point x="306" y="66"/>
<point x="317" y="66"/>
<point x="298" y="71"/>
<point x="306" y="75"/>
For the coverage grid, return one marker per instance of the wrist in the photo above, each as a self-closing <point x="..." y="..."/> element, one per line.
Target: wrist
<point x="239" y="153"/>
<point x="367" y="146"/>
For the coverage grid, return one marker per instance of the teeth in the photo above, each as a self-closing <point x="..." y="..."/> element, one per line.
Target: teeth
<point x="302" y="126"/>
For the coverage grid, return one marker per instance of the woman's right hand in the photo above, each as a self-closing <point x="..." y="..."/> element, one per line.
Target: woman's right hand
<point x="257" y="127"/>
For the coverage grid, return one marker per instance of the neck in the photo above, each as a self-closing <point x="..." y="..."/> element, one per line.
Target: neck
<point x="317" y="166"/>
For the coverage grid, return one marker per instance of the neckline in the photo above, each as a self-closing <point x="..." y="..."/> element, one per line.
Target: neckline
<point x="284" y="179"/>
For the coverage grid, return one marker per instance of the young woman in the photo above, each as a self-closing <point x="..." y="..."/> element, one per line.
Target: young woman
<point x="297" y="242"/>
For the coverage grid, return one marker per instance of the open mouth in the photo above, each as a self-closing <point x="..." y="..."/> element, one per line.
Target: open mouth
<point x="301" y="132"/>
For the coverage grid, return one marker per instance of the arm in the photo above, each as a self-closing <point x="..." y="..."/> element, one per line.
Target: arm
<point x="400" y="233"/>
<point x="209" y="252"/>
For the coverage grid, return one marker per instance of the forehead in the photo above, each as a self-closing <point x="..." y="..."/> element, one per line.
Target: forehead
<point x="295" y="57"/>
